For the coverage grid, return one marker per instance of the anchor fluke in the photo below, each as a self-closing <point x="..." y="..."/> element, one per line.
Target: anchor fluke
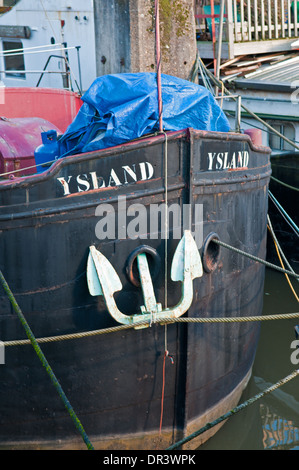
<point x="102" y="279"/>
<point x="186" y="256"/>
<point x="98" y="267"/>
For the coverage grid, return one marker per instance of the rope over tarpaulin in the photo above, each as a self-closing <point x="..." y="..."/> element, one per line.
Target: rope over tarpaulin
<point x="45" y="363"/>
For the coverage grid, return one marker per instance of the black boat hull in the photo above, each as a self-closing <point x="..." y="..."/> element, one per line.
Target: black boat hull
<point x="114" y="381"/>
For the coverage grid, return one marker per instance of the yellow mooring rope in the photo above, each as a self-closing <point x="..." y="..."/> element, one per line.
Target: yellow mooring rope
<point x="287" y="277"/>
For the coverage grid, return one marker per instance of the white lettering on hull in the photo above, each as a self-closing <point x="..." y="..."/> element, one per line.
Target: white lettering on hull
<point x="226" y="161"/>
<point x="89" y="181"/>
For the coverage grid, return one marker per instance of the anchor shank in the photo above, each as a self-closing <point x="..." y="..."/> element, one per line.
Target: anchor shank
<point x="146" y="283"/>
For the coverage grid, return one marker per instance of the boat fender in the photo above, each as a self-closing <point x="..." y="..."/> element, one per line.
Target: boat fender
<point x="154" y="261"/>
<point x="210" y="253"/>
<point x="255" y="135"/>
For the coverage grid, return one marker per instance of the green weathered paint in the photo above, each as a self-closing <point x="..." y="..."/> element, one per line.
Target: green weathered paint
<point x="173" y="20"/>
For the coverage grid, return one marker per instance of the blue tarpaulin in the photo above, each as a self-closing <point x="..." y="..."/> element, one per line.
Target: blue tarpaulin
<point x="121" y="107"/>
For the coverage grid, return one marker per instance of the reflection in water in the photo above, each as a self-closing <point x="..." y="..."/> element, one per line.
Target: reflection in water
<point x="278" y="433"/>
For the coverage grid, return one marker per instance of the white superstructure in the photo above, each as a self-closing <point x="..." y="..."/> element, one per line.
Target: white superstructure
<point x="48" y="31"/>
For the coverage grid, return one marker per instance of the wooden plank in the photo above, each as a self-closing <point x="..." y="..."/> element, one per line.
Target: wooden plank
<point x="243" y="49"/>
<point x="259" y="60"/>
<point x="283" y="58"/>
<point x="20" y="32"/>
<point x="232" y="61"/>
<point x="4" y="9"/>
<point x="261" y="47"/>
<point x="240" y="70"/>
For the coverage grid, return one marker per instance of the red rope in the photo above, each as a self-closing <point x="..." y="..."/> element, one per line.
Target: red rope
<point x="158" y="58"/>
<point x="163" y="386"/>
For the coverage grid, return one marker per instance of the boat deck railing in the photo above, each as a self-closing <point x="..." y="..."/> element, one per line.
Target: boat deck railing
<point x="246" y="27"/>
<point x="53" y="50"/>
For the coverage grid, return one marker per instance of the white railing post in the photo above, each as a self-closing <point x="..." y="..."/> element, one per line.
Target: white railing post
<point x="235" y="16"/>
<point x="276" y="19"/>
<point x="230" y="28"/>
<point x="269" y="19"/>
<point x="289" y="19"/>
<point x="263" y="19"/>
<point x="242" y="20"/>
<point x="282" y="19"/>
<point x="249" y="19"/>
<point x="295" y="18"/>
<point x="256" y="33"/>
<point x="259" y="20"/>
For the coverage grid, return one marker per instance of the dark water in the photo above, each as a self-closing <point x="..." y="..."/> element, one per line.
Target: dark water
<point x="273" y="421"/>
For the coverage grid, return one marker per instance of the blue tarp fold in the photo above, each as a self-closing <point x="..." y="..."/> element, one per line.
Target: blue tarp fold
<point x="121" y="107"/>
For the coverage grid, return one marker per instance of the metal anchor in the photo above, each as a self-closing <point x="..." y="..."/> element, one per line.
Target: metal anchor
<point x="102" y="279"/>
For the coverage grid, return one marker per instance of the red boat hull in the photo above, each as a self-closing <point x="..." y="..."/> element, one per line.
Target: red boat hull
<point x="57" y="106"/>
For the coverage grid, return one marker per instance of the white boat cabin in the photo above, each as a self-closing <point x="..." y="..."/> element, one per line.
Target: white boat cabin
<point x="46" y="43"/>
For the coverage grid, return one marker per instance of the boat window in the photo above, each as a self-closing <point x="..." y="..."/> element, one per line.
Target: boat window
<point x="286" y="129"/>
<point x="5" y="5"/>
<point x="9" y="3"/>
<point x="14" y="61"/>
